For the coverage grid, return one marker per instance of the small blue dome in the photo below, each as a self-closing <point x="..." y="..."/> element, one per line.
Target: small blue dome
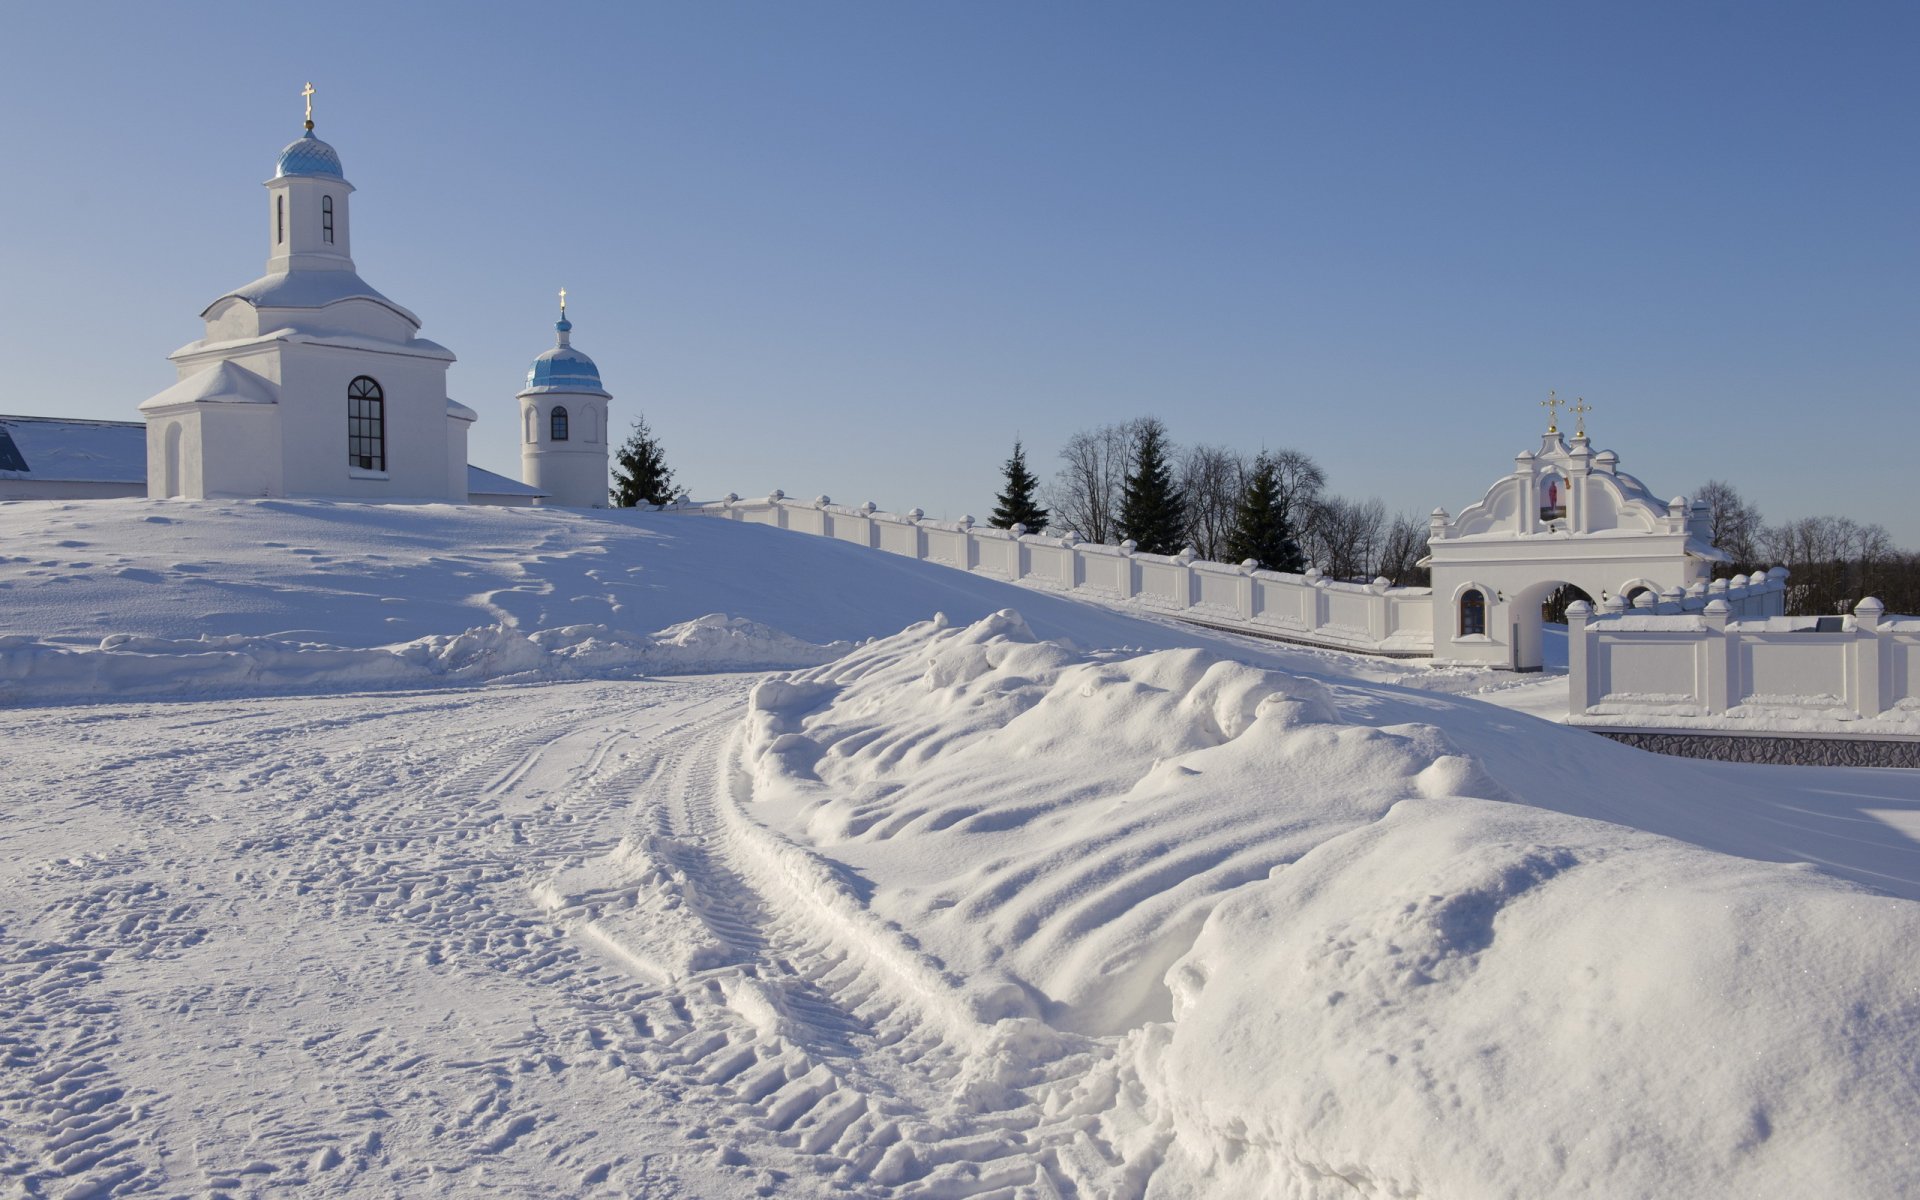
<point x="308" y="155"/>
<point x="564" y="369"/>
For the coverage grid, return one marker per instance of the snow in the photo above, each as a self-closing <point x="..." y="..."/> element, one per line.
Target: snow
<point x="421" y="849"/>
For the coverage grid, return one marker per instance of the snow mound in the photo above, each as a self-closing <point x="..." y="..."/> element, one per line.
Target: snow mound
<point x="128" y="665"/>
<point x="1335" y="957"/>
<point x="1473" y="998"/>
<point x="1069" y="818"/>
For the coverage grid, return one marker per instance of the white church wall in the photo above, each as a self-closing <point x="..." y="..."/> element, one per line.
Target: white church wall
<point x="1308" y="607"/>
<point x="314" y="436"/>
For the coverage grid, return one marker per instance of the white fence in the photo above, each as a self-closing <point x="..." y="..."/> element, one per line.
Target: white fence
<point x="1707" y="669"/>
<point x="1376" y="618"/>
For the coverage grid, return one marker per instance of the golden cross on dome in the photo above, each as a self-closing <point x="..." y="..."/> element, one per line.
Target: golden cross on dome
<point x="307" y="91"/>
<point x="1552" y="404"/>
<point x="563" y="304"/>
<point x="1580" y="409"/>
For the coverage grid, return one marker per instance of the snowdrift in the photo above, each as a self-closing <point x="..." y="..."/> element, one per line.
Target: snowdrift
<point x="1342" y="956"/>
<point x="126" y="665"/>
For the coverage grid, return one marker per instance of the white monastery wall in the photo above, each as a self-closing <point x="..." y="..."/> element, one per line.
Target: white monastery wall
<point x="1309" y="608"/>
<point x="1669" y="667"/>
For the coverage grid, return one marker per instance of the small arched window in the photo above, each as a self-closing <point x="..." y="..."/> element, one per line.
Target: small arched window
<point x="366" y="425"/>
<point x="557" y="425"/>
<point x="279" y="219"/>
<point x="326" y="218"/>
<point x="1473" y="612"/>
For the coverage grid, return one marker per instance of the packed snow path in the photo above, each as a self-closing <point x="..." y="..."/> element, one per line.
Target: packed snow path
<point x="471" y="906"/>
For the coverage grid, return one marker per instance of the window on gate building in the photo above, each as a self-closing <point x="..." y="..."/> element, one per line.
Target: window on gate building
<point x="1473" y="612"/>
<point x="366" y="425"/>
<point x="557" y="425"/>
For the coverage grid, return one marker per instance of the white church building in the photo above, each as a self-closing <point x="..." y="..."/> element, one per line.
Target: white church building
<point x="309" y="382"/>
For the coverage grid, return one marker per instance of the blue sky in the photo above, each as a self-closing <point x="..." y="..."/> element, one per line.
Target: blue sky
<point x="858" y="248"/>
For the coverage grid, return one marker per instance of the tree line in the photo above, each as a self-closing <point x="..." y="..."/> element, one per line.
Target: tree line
<point x="1835" y="562"/>
<point x="1128" y="481"/>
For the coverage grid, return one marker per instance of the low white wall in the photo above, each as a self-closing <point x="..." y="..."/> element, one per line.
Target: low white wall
<point x="1376" y="617"/>
<point x="1677" y="668"/>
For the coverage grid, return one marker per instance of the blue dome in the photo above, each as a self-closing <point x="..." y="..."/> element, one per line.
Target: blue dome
<point x="308" y="155"/>
<point x="564" y="369"/>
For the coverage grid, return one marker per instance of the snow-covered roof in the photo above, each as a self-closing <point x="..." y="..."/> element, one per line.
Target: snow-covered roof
<point x="563" y="368"/>
<point x="309" y="289"/>
<point x="225" y="382"/>
<point x="54" y="449"/>
<point x="482" y="482"/>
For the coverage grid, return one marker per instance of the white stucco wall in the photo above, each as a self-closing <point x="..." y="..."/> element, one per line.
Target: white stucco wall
<point x="1309" y="608"/>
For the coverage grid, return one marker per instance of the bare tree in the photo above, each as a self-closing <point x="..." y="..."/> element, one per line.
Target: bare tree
<point x="1211" y="479"/>
<point x="1736" y="521"/>
<point x="1085" y="494"/>
<point x="1835" y="561"/>
<point x="1301" y="482"/>
<point x="1344" y="538"/>
<point x="1400" y="553"/>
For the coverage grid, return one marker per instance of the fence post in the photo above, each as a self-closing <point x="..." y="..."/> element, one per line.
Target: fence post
<point x="1579" y="679"/>
<point x="1129" y="578"/>
<point x="1713" y="656"/>
<point x="1869" y="700"/>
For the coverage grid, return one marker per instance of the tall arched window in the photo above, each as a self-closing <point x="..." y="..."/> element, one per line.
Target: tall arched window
<point x="279" y="219"/>
<point x="326" y="218"/>
<point x="366" y="425"/>
<point x="1473" y="612"/>
<point x="557" y="425"/>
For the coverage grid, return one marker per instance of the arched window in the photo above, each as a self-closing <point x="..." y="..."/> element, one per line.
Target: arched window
<point x="366" y="425"/>
<point x="1473" y="612"/>
<point x="557" y="425"/>
<point x="279" y="219"/>
<point x="326" y="218"/>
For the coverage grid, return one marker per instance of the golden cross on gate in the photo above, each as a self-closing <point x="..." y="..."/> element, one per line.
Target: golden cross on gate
<point x="1552" y="405"/>
<point x="1580" y="409"/>
<point x="307" y="91"/>
<point x="563" y="302"/>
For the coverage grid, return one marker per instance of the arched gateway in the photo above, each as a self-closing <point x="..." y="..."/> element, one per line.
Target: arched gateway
<point x="1567" y="515"/>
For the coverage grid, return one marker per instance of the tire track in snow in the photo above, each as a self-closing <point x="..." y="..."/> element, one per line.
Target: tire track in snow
<point x="817" y="1048"/>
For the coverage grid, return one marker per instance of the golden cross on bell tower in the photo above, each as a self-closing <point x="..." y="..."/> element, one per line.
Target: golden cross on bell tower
<point x="1580" y="409"/>
<point x="1552" y="405"/>
<point x="307" y="91"/>
<point x="563" y="304"/>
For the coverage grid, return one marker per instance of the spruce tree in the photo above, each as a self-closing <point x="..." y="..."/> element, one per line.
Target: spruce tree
<point x="1015" y="504"/>
<point x="640" y="474"/>
<point x="1260" y="529"/>
<point x="1151" y="508"/>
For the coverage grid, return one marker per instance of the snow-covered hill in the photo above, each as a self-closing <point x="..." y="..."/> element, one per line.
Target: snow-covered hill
<point x="1028" y="899"/>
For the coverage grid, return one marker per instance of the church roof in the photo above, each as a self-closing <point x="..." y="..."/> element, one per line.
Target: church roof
<point x="563" y="369"/>
<point x="225" y="382"/>
<point x="308" y="155"/>
<point x="309" y="289"/>
<point x="482" y="482"/>
<point x="57" y="450"/>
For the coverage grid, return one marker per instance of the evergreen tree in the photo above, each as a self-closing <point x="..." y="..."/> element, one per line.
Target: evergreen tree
<point x="1151" y="508"/>
<point x="1260" y="528"/>
<point x="640" y="474"/>
<point x="1015" y="504"/>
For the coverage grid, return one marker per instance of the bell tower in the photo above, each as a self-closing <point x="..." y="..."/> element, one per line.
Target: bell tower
<point x="563" y="424"/>
<point x="307" y="206"/>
